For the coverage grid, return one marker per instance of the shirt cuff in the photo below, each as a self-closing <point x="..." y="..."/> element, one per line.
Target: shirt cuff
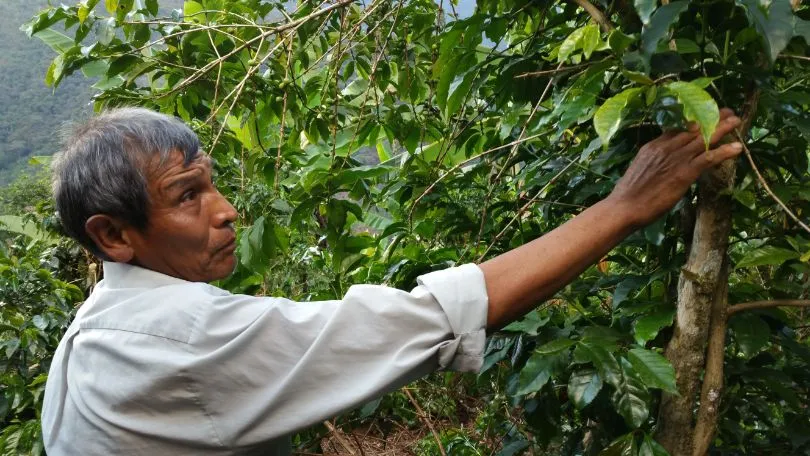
<point x="462" y="294"/>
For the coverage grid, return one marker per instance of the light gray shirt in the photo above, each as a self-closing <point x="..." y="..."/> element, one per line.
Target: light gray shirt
<point x="157" y="365"/>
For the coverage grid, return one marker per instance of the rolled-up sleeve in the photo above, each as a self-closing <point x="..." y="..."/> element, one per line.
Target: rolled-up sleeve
<point x="266" y="367"/>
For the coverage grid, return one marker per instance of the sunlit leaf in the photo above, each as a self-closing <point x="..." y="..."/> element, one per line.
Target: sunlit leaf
<point x="698" y="106"/>
<point x="767" y="255"/>
<point x="609" y="116"/>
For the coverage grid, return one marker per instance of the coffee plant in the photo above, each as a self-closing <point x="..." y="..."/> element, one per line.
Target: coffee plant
<point x="375" y="141"/>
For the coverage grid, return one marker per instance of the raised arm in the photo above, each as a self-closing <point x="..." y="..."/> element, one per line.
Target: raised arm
<point x="657" y="178"/>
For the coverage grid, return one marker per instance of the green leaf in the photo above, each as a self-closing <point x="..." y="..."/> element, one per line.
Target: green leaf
<point x="535" y="374"/>
<point x="646" y="328"/>
<point x="658" y="26"/>
<point x="591" y="40"/>
<point x="530" y="324"/>
<point x="602" y="359"/>
<point x="645" y="9"/>
<point x="609" y="116"/>
<point x="152" y="7"/>
<point x="459" y="90"/>
<point x="650" y="447"/>
<point x="55" y="40"/>
<point x="355" y="88"/>
<point x="555" y="346"/>
<point x="638" y="77"/>
<point x="111" y="5"/>
<point x="774" y="21"/>
<point x="627" y="286"/>
<point x="767" y="255"/>
<point x="653" y="369"/>
<point x="619" y="42"/>
<point x="40" y="322"/>
<point x="192" y="11"/>
<point x="703" y="82"/>
<point x="623" y="446"/>
<point x="570" y="44"/>
<point x="583" y="386"/>
<point x="631" y="397"/>
<point x="751" y="333"/>
<point x="698" y="106"/>
<point x="82" y="13"/>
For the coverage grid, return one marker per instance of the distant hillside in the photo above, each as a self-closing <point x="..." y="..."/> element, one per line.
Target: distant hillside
<point x="30" y="113"/>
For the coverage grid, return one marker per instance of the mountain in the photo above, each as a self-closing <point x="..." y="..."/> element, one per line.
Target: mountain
<point x="31" y="114"/>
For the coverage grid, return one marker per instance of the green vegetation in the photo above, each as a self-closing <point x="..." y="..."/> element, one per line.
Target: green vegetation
<point x="31" y="114"/>
<point x="489" y="130"/>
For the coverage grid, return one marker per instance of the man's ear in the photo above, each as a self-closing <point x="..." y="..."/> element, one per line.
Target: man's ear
<point x="109" y="235"/>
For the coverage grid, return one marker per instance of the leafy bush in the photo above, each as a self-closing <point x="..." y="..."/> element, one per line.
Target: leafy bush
<point x="35" y="310"/>
<point x="373" y="143"/>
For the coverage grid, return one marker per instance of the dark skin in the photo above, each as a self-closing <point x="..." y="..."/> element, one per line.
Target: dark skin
<point x="190" y="233"/>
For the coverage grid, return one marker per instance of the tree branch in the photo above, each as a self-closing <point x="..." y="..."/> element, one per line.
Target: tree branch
<point x="712" y="389"/>
<point x="767" y="305"/>
<point x="767" y="187"/>
<point x="596" y="14"/>
<point x="425" y="419"/>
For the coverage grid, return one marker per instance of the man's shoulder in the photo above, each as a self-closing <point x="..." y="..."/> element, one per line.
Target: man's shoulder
<point x="171" y="312"/>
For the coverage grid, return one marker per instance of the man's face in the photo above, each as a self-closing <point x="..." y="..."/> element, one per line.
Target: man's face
<point x="190" y="234"/>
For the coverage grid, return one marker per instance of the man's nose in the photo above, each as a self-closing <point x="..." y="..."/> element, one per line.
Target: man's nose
<point x="224" y="213"/>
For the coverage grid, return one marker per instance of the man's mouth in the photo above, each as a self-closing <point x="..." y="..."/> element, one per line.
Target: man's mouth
<point x="228" y="247"/>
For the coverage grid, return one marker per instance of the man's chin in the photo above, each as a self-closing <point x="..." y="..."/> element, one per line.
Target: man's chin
<point x="223" y="268"/>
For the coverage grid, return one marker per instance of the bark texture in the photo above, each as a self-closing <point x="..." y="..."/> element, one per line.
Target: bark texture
<point x="712" y="389"/>
<point x="697" y="288"/>
<point x="702" y="301"/>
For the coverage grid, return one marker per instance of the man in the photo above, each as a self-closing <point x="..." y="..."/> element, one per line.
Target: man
<point x="159" y="362"/>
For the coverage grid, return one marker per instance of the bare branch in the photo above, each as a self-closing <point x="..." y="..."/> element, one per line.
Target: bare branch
<point x="767" y="305"/>
<point x="596" y="14"/>
<point x="426" y="420"/>
<point x="532" y="74"/>
<point x="767" y="187"/>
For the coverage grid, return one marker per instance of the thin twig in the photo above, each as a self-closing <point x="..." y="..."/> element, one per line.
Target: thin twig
<point x="767" y="305"/>
<point x="343" y="442"/>
<point x="473" y="158"/>
<point x="794" y="56"/>
<point x="767" y="187"/>
<point x="425" y="420"/>
<point x="525" y="207"/>
<point x="596" y="14"/>
<point x="557" y="70"/>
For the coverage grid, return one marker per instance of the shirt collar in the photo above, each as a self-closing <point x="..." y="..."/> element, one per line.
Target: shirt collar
<point x="122" y="275"/>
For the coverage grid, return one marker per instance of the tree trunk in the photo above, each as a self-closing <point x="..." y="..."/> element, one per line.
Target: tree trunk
<point x="702" y="300"/>
<point x="713" y="378"/>
<point x="697" y="286"/>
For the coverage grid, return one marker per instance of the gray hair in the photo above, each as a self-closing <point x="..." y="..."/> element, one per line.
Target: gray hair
<point x="102" y="167"/>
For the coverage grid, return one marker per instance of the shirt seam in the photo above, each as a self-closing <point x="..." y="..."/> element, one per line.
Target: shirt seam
<point x="132" y="331"/>
<point x="197" y="394"/>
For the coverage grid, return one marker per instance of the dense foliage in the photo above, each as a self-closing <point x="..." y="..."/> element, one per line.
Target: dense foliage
<point x="374" y="142"/>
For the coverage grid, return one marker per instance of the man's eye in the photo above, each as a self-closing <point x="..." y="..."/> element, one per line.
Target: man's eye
<point x="188" y="195"/>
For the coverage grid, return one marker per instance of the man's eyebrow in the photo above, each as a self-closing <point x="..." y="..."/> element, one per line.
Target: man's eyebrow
<point x="184" y="179"/>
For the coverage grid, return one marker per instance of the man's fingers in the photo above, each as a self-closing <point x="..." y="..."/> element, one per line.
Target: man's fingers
<point x="724" y="127"/>
<point x="714" y="157"/>
<point x="726" y="112"/>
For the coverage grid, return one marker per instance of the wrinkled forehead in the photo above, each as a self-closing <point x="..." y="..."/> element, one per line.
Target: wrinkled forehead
<point x="176" y="161"/>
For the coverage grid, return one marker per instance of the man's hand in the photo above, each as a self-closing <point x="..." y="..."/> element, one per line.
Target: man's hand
<point x="658" y="177"/>
<point x="665" y="168"/>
